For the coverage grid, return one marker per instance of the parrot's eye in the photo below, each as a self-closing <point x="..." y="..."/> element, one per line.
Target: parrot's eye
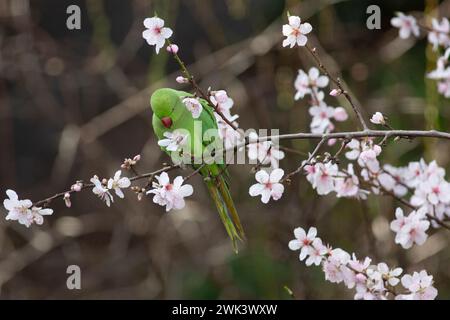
<point x="167" y="122"/>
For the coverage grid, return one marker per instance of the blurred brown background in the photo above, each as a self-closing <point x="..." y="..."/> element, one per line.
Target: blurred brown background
<point x="75" y="103"/>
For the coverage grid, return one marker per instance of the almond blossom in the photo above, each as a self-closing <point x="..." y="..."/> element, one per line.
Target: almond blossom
<point x="316" y="252"/>
<point x="194" y="106"/>
<point x="340" y="114"/>
<point x="378" y="118"/>
<point x="102" y="191"/>
<point x="410" y="229"/>
<point x="23" y="211"/>
<point x="268" y="185"/>
<point x="222" y="102"/>
<point x="322" y="115"/>
<point x="324" y="177"/>
<point x="442" y="74"/>
<point x="444" y="87"/>
<point x="442" y="71"/>
<point x="303" y="241"/>
<point x="174" y="140"/>
<point x="371" y="282"/>
<point x="37" y="214"/>
<point x="265" y="152"/>
<point x="407" y="25"/>
<point x="392" y="179"/>
<point x="170" y="195"/>
<point x="18" y="209"/>
<point x="117" y="183"/>
<point x="440" y="33"/>
<point x="420" y="284"/>
<point x="347" y="186"/>
<point x="366" y="152"/>
<point x="156" y="34"/>
<point x="304" y="83"/>
<point x="227" y="133"/>
<point x="295" y="32"/>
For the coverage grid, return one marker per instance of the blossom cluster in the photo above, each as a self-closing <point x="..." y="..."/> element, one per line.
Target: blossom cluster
<point x="223" y="104"/>
<point x="370" y="281"/>
<point x="424" y="183"/>
<point x="322" y="114"/>
<point x="311" y="82"/>
<point x="170" y="195"/>
<point x="439" y="37"/>
<point x="23" y="210"/>
<point x="102" y="188"/>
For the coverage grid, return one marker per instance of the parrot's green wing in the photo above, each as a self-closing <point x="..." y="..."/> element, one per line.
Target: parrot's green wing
<point x="168" y="103"/>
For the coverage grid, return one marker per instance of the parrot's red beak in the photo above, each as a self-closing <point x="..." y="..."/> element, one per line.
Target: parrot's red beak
<point x="167" y="122"/>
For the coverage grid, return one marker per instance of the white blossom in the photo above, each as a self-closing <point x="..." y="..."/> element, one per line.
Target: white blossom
<point x="174" y="140"/>
<point x="268" y="185"/>
<point x="265" y="152"/>
<point x="406" y="24"/>
<point x="410" y="229"/>
<point x="194" y="106"/>
<point x="156" y="34"/>
<point x="101" y="191"/>
<point x="303" y="241"/>
<point x="420" y="284"/>
<point x="18" y="209"/>
<point x="117" y="183"/>
<point x="440" y="33"/>
<point x="305" y="83"/>
<point x="295" y="32"/>
<point x="377" y="118"/>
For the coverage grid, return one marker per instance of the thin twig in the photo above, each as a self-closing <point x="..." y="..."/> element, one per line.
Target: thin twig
<point x="308" y="161"/>
<point x="337" y="81"/>
<point x="46" y="202"/>
<point x="197" y="88"/>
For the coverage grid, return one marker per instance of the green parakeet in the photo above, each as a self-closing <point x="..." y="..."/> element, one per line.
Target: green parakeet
<point x="170" y="114"/>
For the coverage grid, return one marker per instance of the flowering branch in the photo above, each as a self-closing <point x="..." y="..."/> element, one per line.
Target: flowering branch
<point x="45" y="202"/>
<point x="424" y="182"/>
<point x="337" y="81"/>
<point x="371" y="282"/>
<point x="193" y="82"/>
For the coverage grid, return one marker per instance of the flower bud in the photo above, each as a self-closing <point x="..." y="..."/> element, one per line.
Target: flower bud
<point x="172" y="48"/>
<point x="181" y="79"/>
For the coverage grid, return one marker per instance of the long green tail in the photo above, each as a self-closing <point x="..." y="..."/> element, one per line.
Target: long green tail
<point x="221" y="196"/>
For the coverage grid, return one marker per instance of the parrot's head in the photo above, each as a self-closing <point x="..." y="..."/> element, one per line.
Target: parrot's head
<point x="163" y="103"/>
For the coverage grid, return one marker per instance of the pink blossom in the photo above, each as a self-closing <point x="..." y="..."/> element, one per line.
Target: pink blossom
<point x="347" y="186"/>
<point x="268" y="185"/>
<point x="316" y="253"/>
<point x="222" y="102"/>
<point x="440" y="33"/>
<point x="325" y="177"/>
<point x="411" y="229"/>
<point x="264" y="152"/>
<point x="420" y="284"/>
<point x="170" y="195"/>
<point x="406" y="24"/>
<point x="194" y="106"/>
<point x="335" y="92"/>
<point x="340" y="114"/>
<point x="377" y="118"/>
